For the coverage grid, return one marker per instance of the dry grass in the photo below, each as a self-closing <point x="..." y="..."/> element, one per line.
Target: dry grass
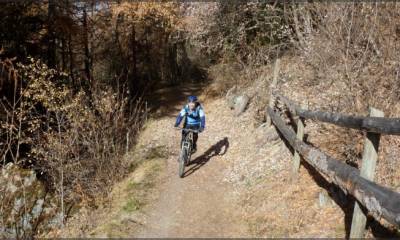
<point x="351" y="60"/>
<point x="271" y="204"/>
<point x="344" y="59"/>
<point x="122" y="212"/>
<point x="292" y="210"/>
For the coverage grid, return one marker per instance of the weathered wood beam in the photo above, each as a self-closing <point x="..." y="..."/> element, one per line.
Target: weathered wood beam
<point x="371" y="124"/>
<point x="272" y="88"/>
<point x="380" y="201"/>
<point x="368" y="165"/>
<point x="296" y="157"/>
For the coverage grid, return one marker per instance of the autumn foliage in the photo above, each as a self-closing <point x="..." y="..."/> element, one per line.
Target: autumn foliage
<point x="75" y="75"/>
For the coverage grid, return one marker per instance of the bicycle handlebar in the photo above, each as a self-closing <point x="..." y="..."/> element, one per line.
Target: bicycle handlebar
<point x="187" y="129"/>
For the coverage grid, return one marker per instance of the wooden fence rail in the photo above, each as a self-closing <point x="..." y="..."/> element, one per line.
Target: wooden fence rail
<point x="379" y="201"/>
<point x="371" y="124"/>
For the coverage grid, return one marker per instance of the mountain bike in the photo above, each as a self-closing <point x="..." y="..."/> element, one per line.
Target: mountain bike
<point x="186" y="150"/>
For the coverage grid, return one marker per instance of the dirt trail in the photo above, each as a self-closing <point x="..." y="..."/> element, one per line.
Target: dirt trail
<point x="238" y="185"/>
<point x="200" y="204"/>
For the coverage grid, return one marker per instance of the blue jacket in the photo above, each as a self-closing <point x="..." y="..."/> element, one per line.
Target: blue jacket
<point x="192" y="118"/>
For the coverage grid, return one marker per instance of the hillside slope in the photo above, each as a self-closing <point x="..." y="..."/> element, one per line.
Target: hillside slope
<point x="238" y="185"/>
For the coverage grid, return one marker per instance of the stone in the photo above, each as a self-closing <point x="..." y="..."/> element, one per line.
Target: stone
<point x="271" y="134"/>
<point x="240" y="104"/>
<point x="235" y="101"/>
<point x="324" y="199"/>
<point x="230" y="97"/>
<point x="24" y="201"/>
<point x="265" y="135"/>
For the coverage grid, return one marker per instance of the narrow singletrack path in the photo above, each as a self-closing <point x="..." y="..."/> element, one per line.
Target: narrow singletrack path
<point x="238" y="185"/>
<point x="200" y="204"/>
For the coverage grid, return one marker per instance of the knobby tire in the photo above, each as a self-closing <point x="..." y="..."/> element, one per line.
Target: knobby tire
<point x="182" y="161"/>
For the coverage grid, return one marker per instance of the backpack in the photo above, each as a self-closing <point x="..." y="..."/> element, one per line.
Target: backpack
<point x="196" y="112"/>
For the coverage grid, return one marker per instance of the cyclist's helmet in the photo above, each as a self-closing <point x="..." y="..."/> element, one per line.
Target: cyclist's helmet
<point x="192" y="99"/>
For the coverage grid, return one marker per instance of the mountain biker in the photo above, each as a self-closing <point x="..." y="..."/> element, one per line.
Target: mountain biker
<point x="195" y="119"/>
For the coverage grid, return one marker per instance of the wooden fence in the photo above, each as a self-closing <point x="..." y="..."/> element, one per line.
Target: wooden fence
<point x="379" y="201"/>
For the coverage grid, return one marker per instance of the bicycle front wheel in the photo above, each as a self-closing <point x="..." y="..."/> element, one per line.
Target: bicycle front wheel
<point x="182" y="160"/>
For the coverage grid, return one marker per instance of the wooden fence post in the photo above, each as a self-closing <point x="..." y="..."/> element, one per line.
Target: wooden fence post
<point x="271" y="89"/>
<point x="370" y="155"/>
<point x="299" y="135"/>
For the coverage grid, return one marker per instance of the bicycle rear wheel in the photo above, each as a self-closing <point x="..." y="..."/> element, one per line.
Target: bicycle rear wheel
<point x="182" y="161"/>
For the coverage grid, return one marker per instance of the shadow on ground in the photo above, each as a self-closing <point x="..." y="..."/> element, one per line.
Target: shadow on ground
<point x="218" y="149"/>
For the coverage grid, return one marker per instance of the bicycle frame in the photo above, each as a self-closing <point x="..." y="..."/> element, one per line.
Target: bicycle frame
<point x="188" y="141"/>
<point x="186" y="150"/>
<point x="188" y="130"/>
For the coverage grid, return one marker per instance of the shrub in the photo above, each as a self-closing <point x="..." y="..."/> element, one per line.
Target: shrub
<point x="73" y="140"/>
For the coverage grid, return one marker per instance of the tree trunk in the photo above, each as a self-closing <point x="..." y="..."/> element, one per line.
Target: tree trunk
<point x="71" y="60"/>
<point x="63" y="54"/>
<point x="133" y="72"/>
<point x="51" y="48"/>
<point x="86" y="45"/>
<point x="172" y="63"/>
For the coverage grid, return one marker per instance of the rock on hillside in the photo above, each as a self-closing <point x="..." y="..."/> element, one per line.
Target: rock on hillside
<point x="26" y="206"/>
